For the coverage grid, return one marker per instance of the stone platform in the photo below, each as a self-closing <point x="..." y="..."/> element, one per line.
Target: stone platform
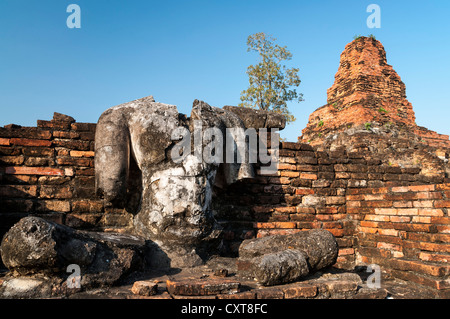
<point x="218" y="280"/>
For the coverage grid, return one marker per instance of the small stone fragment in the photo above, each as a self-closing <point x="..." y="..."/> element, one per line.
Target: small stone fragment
<point x="144" y="288"/>
<point x="221" y="272"/>
<point x="196" y="287"/>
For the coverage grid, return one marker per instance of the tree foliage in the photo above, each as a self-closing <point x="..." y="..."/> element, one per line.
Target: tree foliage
<point x="270" y="81"/>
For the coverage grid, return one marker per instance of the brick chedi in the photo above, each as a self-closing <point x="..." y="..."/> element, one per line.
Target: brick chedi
<point x="367" y="93"/>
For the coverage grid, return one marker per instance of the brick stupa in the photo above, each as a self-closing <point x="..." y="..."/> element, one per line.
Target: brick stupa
<point x="367" y="93"/>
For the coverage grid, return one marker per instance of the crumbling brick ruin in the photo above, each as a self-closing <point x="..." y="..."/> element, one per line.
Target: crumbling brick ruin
<point x="362" y="170"/>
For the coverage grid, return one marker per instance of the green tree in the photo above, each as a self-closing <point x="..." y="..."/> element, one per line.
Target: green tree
<point x="270" y="81"/>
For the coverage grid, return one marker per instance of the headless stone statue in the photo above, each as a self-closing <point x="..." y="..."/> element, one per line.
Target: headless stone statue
<point x="173" y="210"/>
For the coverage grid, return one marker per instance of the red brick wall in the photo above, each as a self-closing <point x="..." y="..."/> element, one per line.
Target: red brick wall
<point x="308" y="191"/>
<point x="371" y="208"/>
<point x="406" y="230"/>
<point x="48" y="171"/>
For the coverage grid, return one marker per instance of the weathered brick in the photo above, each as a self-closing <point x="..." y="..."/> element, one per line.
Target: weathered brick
<point x="66" y="134"/>
<point x="30" y="142"/>
<point x="53" y="206"/>
<point x="10" y="151"/>
<point x="304" y="191"/>
<point x="389" y="246"/>
<point x="298" y="291"/>
<point x="275" y="225"/>
<point x="20" y="170"/>
<point x="306" y="210"/>
<point x="346" y="251"/>
<point x="335" y="200"/>
<point x="47" y="191"/>
<point x="286" y="209"/>
<point x="403" y="204"/>
<point x="38" y="151"/>
<point x="81" y="162"/>
<point x="289" y="174"/>
<point x="12" y="160"/>
<point x="279" y="180"/>
<point x="38" y="161"/>
<point x="196" y="287"/>
<point x="82" y="153"/>
<point x="239" y="295"/>
<point x="442" y="204"/>
<point x="443" y="186"/>
<point x="330" y="225"/>
<point x="422" y="188"/>
<point x="377" y="218"/>
<point x="53" y="180"/>
<point x="434" y="257"/>
<point x="340" y="286"/>
<point x="87" y="136"/>
<point x="26" y="132"/>
<point x="116" y="219"/>
<point x="400" y="189"/>
<point x="399" y="219"/>
<point x="422" y="280"/>
<point x="415" y="227"/>
<point x="430" y="212"/>
<point x="308" y="176"/>
<point x="83" y="127"/>
<point x="388" y="232"/>
<point x="321" y="183"/>
<point x="291" y="145"/>
<point x="421" y="219"/>
<point x="417" y="266"/>
<point x="4" y="141"/>
<point x="270" y="232"/>
<point x="269" y="293"/>
<point x="144" y="288"/>
<point x="307" y="168"/>
<point x="72" y="144"/>
<point x="307" y="160"/>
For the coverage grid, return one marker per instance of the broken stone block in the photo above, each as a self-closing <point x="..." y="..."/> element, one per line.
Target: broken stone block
<point x="34" y="246"/>
<point x="281" y="267"/>
<point x="319" y="245"/>
<point x="144" y="288"/>
<point x="281" y="259"/>
<point x="24" y="287"/>
<point x="140" y="153"/>
<point x="200" y="287"/>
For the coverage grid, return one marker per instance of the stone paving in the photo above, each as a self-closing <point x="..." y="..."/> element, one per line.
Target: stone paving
<point x="218" y="280"/>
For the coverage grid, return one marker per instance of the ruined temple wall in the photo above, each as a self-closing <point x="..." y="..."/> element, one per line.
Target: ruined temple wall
<point x="309" y="191"/>
<point x="405" y="230"/>
<point x="48" y="171"/>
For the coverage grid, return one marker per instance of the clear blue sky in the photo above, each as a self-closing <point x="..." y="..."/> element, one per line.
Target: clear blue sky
<point x="179" y="51"/>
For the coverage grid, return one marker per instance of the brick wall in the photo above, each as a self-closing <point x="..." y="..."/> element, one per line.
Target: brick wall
<point x="48" y="171"/>
<point x="406" y="230"/>
<point x="308" y="191"/>
<point x="379" y="213"/>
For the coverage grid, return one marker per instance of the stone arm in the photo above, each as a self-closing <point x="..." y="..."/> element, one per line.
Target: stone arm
<point x="112" y="155"/>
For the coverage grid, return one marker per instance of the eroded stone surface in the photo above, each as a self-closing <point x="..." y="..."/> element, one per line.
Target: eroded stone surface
<point x="282" y="259"/>
<point x="195" y="287"/>
<point x="35" y="246"/>
<point x="172" y="206"/>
